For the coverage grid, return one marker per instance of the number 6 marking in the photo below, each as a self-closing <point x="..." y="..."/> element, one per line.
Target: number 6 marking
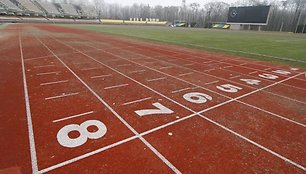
<point x="161" y="110"/>
<point x="64" y="139"/>
<point x="229" y="88"/>
<point x="197" y="97"/>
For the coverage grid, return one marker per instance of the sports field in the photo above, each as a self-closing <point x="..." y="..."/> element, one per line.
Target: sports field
<point x="285" y="48"/>
<point x="78" y="101"/>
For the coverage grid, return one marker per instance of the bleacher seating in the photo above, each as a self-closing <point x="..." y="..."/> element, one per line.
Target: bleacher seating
<point x="2" y="10"/>
<point x="9" y="5"/>
<point x="69" y="10"/>
<point x="89" y="11"/>
<point x="50" y="8"/>
<point x="30" y="6"/>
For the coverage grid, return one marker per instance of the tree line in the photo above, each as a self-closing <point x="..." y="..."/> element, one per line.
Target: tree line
<point x="285" y="15"/>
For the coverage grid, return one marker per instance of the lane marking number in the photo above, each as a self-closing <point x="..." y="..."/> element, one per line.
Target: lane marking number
<point x="197" y="97"/>
<point x="251" y="81"/>
<point x="161" y="109"/>
<point x="64" y="139"/>
<point x="229" y="88"/>
<point x="268" y="76"/>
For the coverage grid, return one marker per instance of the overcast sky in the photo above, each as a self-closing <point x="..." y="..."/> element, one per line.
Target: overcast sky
<point x="163" y="2"/>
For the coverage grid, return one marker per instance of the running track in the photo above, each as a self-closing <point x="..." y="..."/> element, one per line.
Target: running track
<point x="75" y="101"/>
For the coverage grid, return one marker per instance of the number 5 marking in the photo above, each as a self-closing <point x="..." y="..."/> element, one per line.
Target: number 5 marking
<point x="197" y="97"/>
<point x="64" y="139"/>
<point x="161" y="110"/>
<point x="229" y="88"/>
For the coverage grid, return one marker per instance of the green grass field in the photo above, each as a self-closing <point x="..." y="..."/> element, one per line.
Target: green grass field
<point x="282" y="48"/>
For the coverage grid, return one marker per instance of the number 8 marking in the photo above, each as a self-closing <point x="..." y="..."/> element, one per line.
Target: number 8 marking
<point x="197" y="97"/>
<point x="64" y="139"/>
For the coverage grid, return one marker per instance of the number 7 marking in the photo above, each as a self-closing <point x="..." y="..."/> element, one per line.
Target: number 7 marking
<point x="161" y="110"/>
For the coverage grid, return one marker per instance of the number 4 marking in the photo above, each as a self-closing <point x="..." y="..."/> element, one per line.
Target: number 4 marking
<point x="161" y="110"/>
<point x="251" y="81"/>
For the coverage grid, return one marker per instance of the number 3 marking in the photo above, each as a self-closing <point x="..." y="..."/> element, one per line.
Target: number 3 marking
<point x="64" y="139"/>
<point x="161" y="110"/>
<point x="251" y="81"/>
<point x="229" y="88"/>
<point x="197" y="97"/>
<point x="268" y="76"/>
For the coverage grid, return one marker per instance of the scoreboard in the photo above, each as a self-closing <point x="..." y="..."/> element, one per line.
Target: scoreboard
<point x="253" y="15"/>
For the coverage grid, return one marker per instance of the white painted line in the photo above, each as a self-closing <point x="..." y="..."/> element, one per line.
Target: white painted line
<point x="48" y="73"/>
<point x="186" y="74"/>
<point x="227" y="67"/>
<point x="216" y="123"/>
<point x="86" y="155"/>
<point x="234" y="76"/>
<point x="149" y="62"/>
<point x="93" y="68"/>
<point x="209" y="70"/>
<point x="166" y="67"/>
<point x="171" y="60"/>
<point x="189" y="64"/>
<point x="51" y="83"/>
<point x="73" y="116"/>
<point x="43" y="66"/>
<point x="199" y="113"/>
<point x="253" y="72"/>
<point x="208" y="83"/>
<point x="180" y="90"/>
<point x="112" y="60"/>
<point x="138" y="71"/>
<point x="101" y="76"/>
<point x="172" y="167"/>
<point x="28" y="112"/>
<point x="80" y="63"/>
<point x="42" y="57"/>
<point x="243" y="64"/>
<point x="128" y="64"/>
<point x="136" y="101"/>
<point x="160" y="78"/>
<point x="267" y="69"/>
<point x="208" y="61"/>
<point x="116" y="86"/>
<point x="61" y="96"/>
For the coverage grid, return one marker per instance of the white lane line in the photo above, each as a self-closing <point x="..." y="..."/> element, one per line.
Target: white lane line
<point x="136" y="101"/>
<point x="43" y="66"/>
<point x="116" y="86"/>
<point x="209" y="70"/>
<point x="253" y="72"/>
<point x="208" y="61"/>
<point x="28" y="112"/>
<point x="138" y="71"/>
<point x="189" y="64"/>
<point x="156" y="79"/>
<point x="149" y="62"/>
<point x="42" y="57"/>
<point x="101" y="76"/>
<point x="80" y="63"/>
<point x="51" y="83"/>
<point x="211" y="121"/>
<point x="171" y="166"/>
<point x="234" y="76"/>
<point x="86" y="155"/>
<point x="93" y="68"/>
<point x="166" y="67"/>
<point x="243" y="64"/>
<point x="128" y="64"/>
<point x="267" y="69"/>
<point x="171" y="60"/>
<point x="227" y="67"/>
<point x="73" y="116"/>
<point x="180" y="90"/>
<point x="208" y="83"/>
<point x="185" y="74"/>
<point x="61" y="96"/>
<point x="48" y="73"/>
<point x="112" y="60"/>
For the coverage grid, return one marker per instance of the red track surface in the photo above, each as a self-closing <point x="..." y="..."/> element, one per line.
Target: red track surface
<point x="75" y="101"/>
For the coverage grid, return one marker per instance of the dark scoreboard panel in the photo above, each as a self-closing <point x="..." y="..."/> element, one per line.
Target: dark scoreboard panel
<point x="248" y="15"/>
